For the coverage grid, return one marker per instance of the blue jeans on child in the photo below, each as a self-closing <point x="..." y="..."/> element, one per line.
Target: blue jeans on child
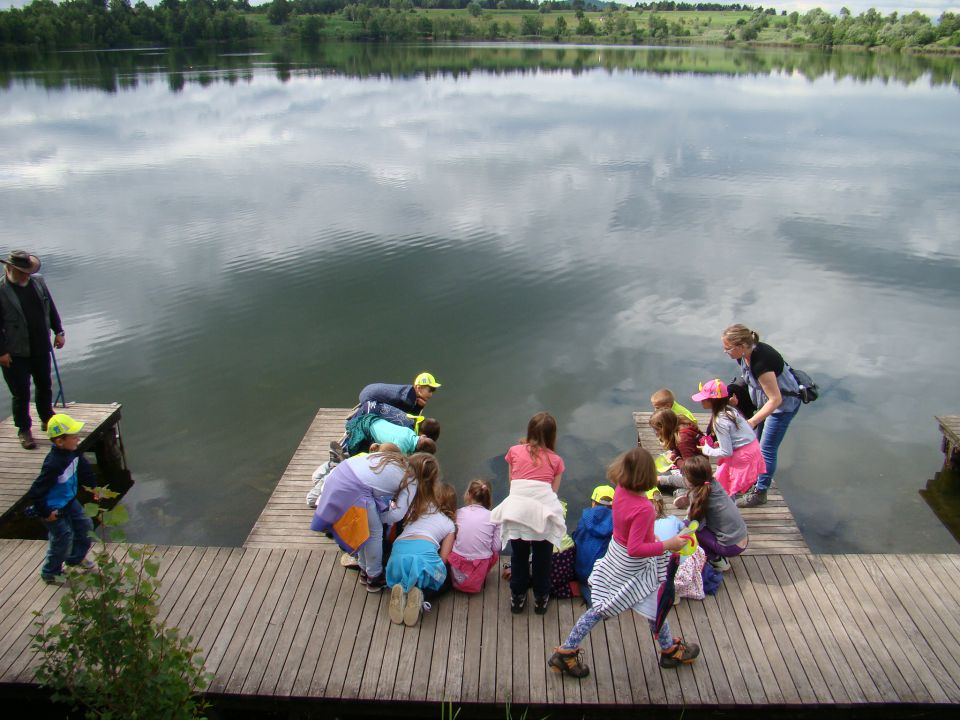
<point x="774" y="428"/>
<point x="69" y="538"/>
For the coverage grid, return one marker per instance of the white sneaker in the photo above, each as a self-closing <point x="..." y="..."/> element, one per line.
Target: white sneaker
<point x="398" y="601"/>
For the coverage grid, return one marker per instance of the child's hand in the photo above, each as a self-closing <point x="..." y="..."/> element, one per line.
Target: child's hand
<point x="676" y="543"/>
<point x="52" y="517"/>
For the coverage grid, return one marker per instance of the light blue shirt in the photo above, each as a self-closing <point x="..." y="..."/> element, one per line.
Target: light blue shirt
<point x="403" y="437"/>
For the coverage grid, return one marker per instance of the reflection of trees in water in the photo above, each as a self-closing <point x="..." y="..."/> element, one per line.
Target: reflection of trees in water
<point x="113" y="71"/>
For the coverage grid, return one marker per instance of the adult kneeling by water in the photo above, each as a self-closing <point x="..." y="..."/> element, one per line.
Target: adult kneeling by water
<point x="774" y="391"/>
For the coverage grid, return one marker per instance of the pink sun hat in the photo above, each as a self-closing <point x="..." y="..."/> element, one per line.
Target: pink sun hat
<point x="711" y="389"/>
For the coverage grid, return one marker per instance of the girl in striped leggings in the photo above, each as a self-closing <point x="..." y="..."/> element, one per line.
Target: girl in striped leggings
<point x="629" y="575"/>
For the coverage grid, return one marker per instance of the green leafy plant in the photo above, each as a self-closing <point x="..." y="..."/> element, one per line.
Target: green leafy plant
<point x="107" y="652"/>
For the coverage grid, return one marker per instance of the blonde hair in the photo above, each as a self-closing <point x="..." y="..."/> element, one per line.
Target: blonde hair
<point x="659" y="505"/>
<point x="740" y="335"/>
<point x="662" y="397"/>
<point x="479" y="492"/>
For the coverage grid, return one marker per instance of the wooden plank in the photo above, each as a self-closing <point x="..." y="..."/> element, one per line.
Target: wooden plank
<point x="833" y="644"/>
<point x="472" y="648"/>
<point x="694" y="680"/>
<point x="764" y="650"/>
<point x="551" y="639"/>
<point x="565" y="618"/>
<point x="375" y="612"/>
<point x="886" y="673"/>
<point x="330" y="673"/>
<point x="504" y="669"/>
<point x="436" y="687"/>
<point x="900" y="625"/>
<point x="741" y="673"/>
<point x="297" y="623"/>
<point x="311" y="641"/>
<point x="419" y="683"/>
<point x="493" y="588"/>
<point x="255" y="635"/>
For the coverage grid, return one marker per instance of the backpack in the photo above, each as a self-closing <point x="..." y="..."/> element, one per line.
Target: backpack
<point x="809" y="390"/>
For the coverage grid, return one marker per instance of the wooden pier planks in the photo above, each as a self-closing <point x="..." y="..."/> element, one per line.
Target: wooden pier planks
<point x="285" y="521"/>
<point x="785" y="630"/>
<point x="773" y="529"/>
<point x="19" y="467"/>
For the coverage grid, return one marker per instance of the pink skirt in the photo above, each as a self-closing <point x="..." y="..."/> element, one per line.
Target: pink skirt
<point x="739" y="472"/>
<point x="469" y="575"/>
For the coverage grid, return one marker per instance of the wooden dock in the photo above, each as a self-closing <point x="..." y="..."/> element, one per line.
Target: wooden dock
<point x="285" y="521"/>
<point x="950" y="429"/>
<point x="280" y="620"/>
<point x="19" y="467"/>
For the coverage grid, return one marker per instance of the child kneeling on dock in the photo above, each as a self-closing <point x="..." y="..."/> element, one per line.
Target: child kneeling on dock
<point x="417" y="571"/>
<point x="630" y="574"/>
<point x="477" y="547"/>
<point x="54" y="496"/>
<point x="722" y="533"/>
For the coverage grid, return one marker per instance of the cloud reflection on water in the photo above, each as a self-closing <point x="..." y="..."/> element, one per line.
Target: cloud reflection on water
<point x="556" y="241"/>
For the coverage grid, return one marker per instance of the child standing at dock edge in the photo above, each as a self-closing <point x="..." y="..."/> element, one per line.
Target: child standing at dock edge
<point x="54" y="496"/>
<point x="630" y="574"/>
<point x="531" y="517"/>
<point x="739" y="462"/>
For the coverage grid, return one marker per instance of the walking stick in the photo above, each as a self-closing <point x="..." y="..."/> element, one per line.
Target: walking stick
<point x="60" y="396"/>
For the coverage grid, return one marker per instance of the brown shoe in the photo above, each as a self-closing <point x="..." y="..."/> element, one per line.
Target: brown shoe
<point x="680" y="654"/>
<point x="569" y="662"/>
<point x="26" y="440"/>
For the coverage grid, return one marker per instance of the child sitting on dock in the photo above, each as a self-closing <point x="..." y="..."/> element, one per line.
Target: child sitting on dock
<point x="54" y="497"/>
<point x="531" y="516"/>
<point x="477" y="545"/>
<point x="630" y="574"/>
<point x="663" y="399"/>
<point x="722" y="532"/>
<point x="679" y="437"/>
<point x="592" y="535"/>
<point x="416" y="571"/>
<point x="739" y="461"/>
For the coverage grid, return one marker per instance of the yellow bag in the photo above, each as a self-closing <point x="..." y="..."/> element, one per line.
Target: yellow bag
<point x="352" y="528"/>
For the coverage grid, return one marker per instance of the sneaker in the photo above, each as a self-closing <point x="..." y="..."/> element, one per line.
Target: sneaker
<point x="518" y="603"/>
<point x="680" y="654"/>
<point x="85" y="565"/>
<point x="53" y="579"/>
<point x="427" y="607"/>
<point x="413" y="607"/>
<point x="721" y="564"/>
<point x="336" y="453"/>
<point x="398" y="601"/>
<point x="43" y="426"/>
<point x="363" y="577"/>
<point x="351" y="563"/>
<point x="26" y="440"/>
<point x="681" y="501"/>
<point x="754" y="498"/>
<point x="376" y="584"/>
<point x="569" y="662"/>
<point x="540" y="605"/>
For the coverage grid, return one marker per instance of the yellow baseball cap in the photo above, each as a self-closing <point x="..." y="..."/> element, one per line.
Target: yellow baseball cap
<point x="426" y="378"/>
<point x="603" y="494"/>
<point x="61" y="424"/>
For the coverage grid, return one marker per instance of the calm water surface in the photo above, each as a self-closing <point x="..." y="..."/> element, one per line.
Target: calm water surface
<point x="235" y="240"/>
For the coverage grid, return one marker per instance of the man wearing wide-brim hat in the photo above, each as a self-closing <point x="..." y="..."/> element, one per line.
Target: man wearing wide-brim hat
<point x="27" y="317"/>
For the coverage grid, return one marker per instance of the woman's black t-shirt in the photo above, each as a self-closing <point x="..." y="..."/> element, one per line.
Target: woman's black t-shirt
<point x="765" y="359"/>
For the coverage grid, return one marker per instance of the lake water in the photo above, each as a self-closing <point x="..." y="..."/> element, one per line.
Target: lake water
<point x="237" y="239"/>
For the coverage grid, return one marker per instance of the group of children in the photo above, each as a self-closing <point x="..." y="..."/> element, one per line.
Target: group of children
<point x="384" y="503"/>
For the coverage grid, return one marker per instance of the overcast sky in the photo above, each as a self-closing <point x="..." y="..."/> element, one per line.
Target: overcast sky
<point x="933" y="8"/>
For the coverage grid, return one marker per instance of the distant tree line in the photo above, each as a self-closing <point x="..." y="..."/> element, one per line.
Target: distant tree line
<point x="117" y="23"/>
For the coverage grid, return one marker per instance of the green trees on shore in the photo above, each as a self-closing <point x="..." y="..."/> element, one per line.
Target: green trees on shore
<point x="119" y="23"/>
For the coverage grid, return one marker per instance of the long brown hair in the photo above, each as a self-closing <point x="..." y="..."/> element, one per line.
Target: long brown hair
<point x="447" y="500"/>
<point x="479" y="492"/>
<point x="541" y="433"/>
<point x="698" y="474"/>
<point x="425" y="469"/>
<point x="633" y="470"/>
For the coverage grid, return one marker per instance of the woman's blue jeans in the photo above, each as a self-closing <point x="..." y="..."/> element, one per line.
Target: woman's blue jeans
<point x="774" y="428"/>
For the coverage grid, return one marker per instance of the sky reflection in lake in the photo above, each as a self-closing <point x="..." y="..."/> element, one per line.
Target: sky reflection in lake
<point x="232" y="256"/>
